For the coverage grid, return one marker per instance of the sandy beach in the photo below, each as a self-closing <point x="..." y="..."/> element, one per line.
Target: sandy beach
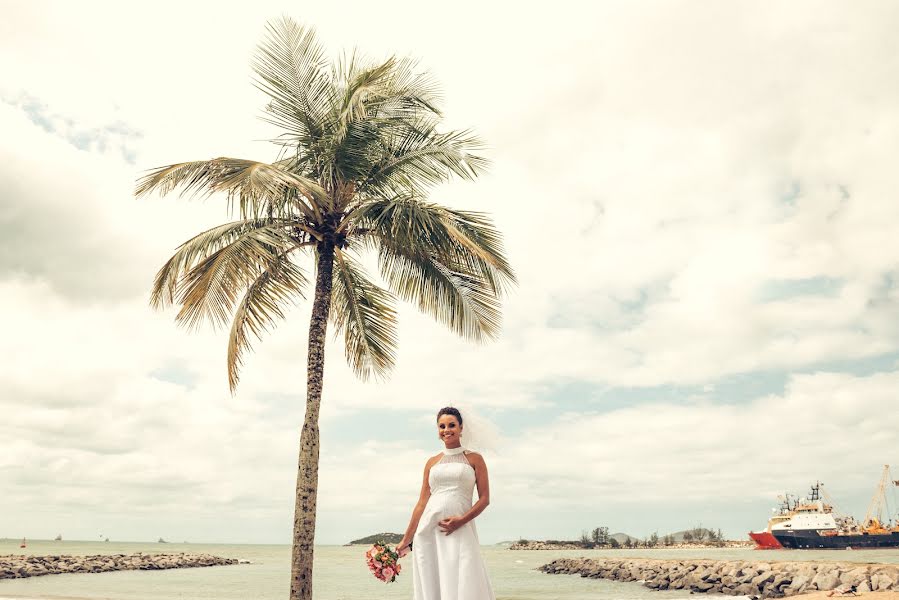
<point x="882" y="595"/>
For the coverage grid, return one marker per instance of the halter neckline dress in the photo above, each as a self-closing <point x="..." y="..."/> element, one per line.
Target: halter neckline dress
<point x="449" y="567"/>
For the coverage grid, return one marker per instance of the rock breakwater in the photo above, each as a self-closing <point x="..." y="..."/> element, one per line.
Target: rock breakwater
<point x="735" y="578"/>
<point x="17" y="566"/>
<point x="537" y="545"/>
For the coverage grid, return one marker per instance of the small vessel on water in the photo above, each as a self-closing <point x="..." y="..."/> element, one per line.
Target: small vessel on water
<point x="813" y="524"/>
<point x="58" y="538"/>
<point x="23" y="544"/>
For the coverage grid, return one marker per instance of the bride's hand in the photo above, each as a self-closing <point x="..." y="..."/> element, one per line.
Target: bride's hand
<point x="402" y="549"/>
<point x="450" y="524"/>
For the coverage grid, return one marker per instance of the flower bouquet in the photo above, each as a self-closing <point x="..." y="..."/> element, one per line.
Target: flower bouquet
<point x="383" y="562"/>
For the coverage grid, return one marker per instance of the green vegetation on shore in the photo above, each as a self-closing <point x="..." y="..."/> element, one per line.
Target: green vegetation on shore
<point x="600" y="537"/>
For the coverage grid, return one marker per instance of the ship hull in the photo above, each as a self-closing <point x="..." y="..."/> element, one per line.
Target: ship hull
<point x="764" y="540"/>
<point x="811" y="539"/>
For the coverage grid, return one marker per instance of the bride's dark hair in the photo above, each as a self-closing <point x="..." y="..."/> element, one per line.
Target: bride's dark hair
<point x="449" y="410"/>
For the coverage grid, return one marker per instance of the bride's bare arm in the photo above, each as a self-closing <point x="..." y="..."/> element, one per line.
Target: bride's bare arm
<point x="483" y="483"/>
<point x="419" y="506"/>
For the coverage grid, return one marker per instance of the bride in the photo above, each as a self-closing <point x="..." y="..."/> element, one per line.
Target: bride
<point x="446" y="553"/>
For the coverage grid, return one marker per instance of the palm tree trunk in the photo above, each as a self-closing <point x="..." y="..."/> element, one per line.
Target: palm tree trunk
<point x="307" y="475"/>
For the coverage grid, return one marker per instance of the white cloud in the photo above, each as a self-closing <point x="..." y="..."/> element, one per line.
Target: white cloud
<point x="823" y="426"/>
<point x="655" y="170"/>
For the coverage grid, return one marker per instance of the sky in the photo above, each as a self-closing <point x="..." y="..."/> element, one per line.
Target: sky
<point x="698" y="199"/>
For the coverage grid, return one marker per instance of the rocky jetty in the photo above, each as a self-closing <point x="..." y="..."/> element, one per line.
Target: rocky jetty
<point x="17" y="566"/>
<point x="538" y="545"/>
<point x="736" y="578"/>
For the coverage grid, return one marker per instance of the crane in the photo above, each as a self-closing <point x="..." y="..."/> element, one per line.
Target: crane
<point x="874" y="517"/>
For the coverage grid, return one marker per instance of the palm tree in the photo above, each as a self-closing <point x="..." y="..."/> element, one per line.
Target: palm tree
<point x="358" y="152"/>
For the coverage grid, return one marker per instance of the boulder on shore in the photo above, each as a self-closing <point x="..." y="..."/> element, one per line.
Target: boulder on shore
<point x="735" y="578"/>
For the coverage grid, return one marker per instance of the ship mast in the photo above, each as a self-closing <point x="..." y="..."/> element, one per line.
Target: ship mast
<point x="815" y="494"/>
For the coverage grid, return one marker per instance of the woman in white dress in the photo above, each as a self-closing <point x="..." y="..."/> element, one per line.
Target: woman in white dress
<point x="446" y="553"/>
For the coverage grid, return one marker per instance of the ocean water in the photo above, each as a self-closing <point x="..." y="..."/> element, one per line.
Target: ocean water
<point x="341" y="574"/>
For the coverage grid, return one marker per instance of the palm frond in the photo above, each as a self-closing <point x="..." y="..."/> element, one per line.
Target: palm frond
<point x="467" y="241"/>
<point x="420" y="155"/>
<point x="463" y="300"/>
<point x="202" y="245"/>
<point x="259" y="188"/>
<point x="263" y="304"/>
<point x="364" y="87"/>
<point x="209" y="288"/>
<point x="480" y="246"/>
<point x="380" y="103"/>
<point x="291" y="69"/>
<point x="365" y="314"/>
<point x="354" y="133"/>
<point x="450" y="264"/>
<point x="390" y="91"/>
<point x="413" y="93"/>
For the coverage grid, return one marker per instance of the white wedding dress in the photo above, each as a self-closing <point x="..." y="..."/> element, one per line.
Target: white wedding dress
<point x="449" y="567"/>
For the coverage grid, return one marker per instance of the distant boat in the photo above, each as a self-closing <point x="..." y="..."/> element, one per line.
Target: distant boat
<point x="58" y="538"/>
<point x="22" y="545"/>
<point x="162" y="541"/>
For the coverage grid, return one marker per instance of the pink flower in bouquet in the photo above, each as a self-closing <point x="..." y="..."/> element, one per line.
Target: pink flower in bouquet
<point x="382" y="562"/>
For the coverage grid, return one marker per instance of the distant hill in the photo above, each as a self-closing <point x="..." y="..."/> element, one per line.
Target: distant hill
<point x="679" y="535"/>
<point x="623" y="537"/>
<point x="387" y="538"/>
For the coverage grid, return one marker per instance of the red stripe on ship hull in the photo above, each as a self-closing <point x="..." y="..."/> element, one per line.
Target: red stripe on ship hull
<point x="764" y="540"/>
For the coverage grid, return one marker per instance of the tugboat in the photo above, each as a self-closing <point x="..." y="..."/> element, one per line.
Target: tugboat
<point x="816" y="529"/>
